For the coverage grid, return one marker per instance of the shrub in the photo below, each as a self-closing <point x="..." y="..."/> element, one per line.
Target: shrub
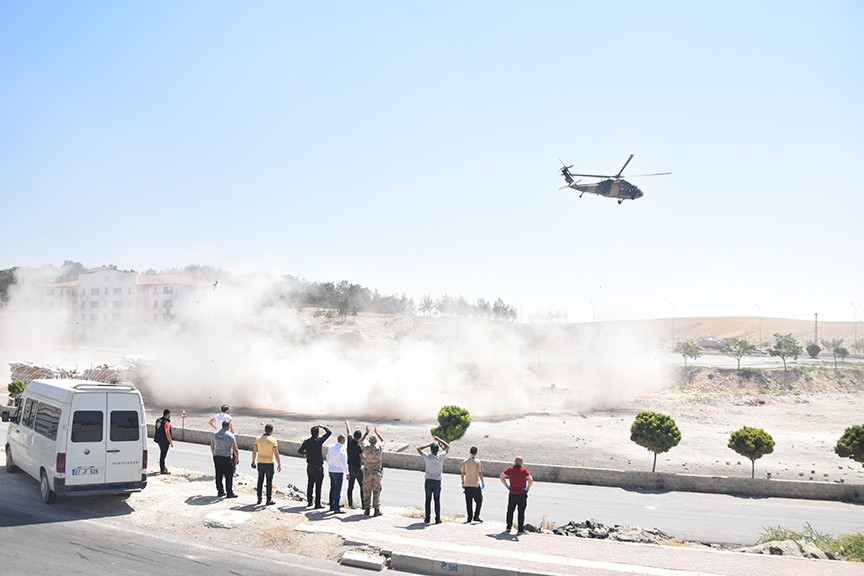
<point x="655" y="432"/>
<point x="15" y="388"/>
<point x="851" y="444"/>
<point x="453" y="422"/>
<point x="813" y="350"/>
<point x="752" y="443"/>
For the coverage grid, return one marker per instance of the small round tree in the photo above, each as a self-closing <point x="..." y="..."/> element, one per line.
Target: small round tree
<point x="656" y="432"/>
<point x="813" y="350"/>
<point x="453" y="422"/>
<point x="752" y="443"/>
<point x="15" y="388"/>
<point x="851" y="444"/>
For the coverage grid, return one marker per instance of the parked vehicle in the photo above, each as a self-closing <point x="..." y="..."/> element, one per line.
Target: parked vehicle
<point x="79" y="437"/>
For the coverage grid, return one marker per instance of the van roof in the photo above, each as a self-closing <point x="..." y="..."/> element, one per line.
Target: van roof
<point x="62" y="390"/>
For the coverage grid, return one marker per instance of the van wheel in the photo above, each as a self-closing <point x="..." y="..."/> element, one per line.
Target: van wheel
<point x="48" y="495"/>
<point x="10" y="465"/>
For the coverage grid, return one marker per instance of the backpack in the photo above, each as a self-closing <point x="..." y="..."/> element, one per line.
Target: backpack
<point x="159" y="434"/>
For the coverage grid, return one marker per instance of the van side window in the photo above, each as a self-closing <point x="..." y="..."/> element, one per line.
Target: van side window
<point x="29" y="413"/>
<point x="47" y="421"/>
<point x="87" y="426"/>
<point x="124" y="426"/>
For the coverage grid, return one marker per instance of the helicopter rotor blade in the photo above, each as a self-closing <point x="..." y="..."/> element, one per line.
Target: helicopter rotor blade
<point x="655" y="174"/>
<point x="623" y="167"/>
<point x="593" y="175"/>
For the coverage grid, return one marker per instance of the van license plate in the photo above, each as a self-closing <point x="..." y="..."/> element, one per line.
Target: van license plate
<point x="85" y="471"/>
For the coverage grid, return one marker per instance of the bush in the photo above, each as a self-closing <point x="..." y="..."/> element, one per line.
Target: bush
<point x="813" y="350"/>
<point x="752" y="443"/>
<point x="15" y="388"/>
<point x="851" y="444"/>
<point x="453" y="422"/>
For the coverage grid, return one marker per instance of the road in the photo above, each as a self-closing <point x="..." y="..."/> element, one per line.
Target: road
<point x="686" y="515"/>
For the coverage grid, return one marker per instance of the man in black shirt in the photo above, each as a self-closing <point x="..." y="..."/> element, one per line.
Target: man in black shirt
<point x="355" y="464"/>
<point x="311" y="448"/>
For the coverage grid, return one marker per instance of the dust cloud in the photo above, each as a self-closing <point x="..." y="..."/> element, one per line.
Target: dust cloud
<point x="239" y="345"/>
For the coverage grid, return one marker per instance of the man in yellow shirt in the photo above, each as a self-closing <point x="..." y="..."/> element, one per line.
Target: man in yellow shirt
<point x="266" y="450"/>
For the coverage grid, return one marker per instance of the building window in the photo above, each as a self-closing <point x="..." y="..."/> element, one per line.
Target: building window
<point x="167" y="303"/>
<point x="94" y="291"/>
<point x="94" y="304"/>
<point x="167" y="289"/>
<point x="118" y="291"/>
<point x="94" y="317"/>
<point x="118" y="304"/>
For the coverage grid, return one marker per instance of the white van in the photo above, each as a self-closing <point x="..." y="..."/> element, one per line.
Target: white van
<point x="79" y="437"/>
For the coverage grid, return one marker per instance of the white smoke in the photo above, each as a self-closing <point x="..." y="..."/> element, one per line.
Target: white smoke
<point x="236" y="346"/>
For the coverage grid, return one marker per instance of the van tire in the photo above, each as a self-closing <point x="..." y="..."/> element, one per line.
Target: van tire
<point x="47" y="494"/>
<point x="10" y="465"/>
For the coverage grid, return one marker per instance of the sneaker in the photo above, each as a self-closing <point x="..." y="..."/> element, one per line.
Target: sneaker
<point x="232" y="496"/>
<point x="478" y="520"/>
<point x="270" y="502"/>
<point x="220" y="495"/>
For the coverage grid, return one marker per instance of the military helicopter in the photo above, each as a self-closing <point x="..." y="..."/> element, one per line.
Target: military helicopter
<point x="611" y="187"/>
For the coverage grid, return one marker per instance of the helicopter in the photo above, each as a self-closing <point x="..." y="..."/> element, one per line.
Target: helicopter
<point x="611" y="187"/>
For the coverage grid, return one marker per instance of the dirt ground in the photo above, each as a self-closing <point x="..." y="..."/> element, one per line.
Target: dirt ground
<point x="805" y="411"/>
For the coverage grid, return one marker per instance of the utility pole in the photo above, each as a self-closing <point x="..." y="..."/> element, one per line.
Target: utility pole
<point x="816" y="327"/>
<point x="760" y="326"/>
<point x="856" y="326"/>
<point x="673" y="323"/>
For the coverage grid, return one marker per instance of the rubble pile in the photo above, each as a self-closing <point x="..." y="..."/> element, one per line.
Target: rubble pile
<point x="29" y="371"/>
<point x="593" y="529"/>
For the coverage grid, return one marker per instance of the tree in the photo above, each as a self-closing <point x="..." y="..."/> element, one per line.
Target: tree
<point x="453" y="421"/>
<point x="656" y="432"/>
<point x="737" y="348"/>
<point x="842" y="353"/>
<point x="813" y="350"/>
<point x="427" y="305"/>
<point x="752" y="443"/>
<point x="834" y="345"/>
<point x="785" y="347"/>
<point x="851" y="444"/>
<point x="687" y="349"/>
<point x="15" y="388"/>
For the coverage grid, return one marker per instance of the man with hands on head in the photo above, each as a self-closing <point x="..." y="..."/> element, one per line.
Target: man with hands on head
<point x="434" y="475"/>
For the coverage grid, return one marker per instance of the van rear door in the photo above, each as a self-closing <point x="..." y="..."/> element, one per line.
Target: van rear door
<point x="126" y="439"/>
<point x="85" y="452"/>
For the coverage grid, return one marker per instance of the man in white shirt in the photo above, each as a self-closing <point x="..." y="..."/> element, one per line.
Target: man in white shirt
<point x="337" y="467"/>
<point x="216" y="421"/>
<point x="434" y="475"/>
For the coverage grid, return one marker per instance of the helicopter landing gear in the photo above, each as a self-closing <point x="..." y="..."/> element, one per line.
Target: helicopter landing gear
<point x="620" y="200"/>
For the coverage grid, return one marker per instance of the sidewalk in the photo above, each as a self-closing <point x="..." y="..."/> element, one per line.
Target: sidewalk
<point x="486" y="550"/>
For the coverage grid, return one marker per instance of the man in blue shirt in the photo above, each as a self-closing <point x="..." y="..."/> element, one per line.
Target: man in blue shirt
<point x="434" y="475"/>
<point x="223" y="447"/>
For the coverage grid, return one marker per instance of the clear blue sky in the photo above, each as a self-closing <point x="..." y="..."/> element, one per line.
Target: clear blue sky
<point x="414" y="146"/>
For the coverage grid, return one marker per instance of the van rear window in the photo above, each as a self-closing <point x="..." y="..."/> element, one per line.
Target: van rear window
<point x="87" y="426"/>
<point x="124" y="426"/>
<point x="47" y="421"/>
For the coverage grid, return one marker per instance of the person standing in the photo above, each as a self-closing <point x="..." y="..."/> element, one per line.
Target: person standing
<point x="162" y="437"/>
<point x="355" y="465"/>
<point x="473" y="484"/>
<point x="434" y="475"/>
<point x="223" y="447"/>
<point x="311" y="449"/>
<point x="216" y="421"/>
<point x="266" y="449"/>
<point x="520" y="482"/>
<point x="337" y="467"/>
<point x="373" y="468"/>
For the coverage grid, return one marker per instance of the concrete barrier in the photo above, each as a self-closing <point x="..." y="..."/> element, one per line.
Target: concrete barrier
<point x="634" y="480"/>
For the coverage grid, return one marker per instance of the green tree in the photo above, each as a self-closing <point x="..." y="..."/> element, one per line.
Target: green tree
<point x="843" y="353"/>
<point x="834" y="345"/>
<point x="737" y="348"/>
<point x="813" y="350"/>
<point x="752" y="443"/>
<point x="656" y="432"/>
<point x="851" y="444"/>
<point x="453" y="422"/>
<point x="785" y="347"/>
<point x="15" y="388"/>
<point x="427" y="305"/>
<point x="687" y="349"/>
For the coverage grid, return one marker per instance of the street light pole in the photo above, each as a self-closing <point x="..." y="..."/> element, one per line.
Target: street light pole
<point x="673" y="304"/>
<point x="760" y="325"/>
<point x="856" y="326"/>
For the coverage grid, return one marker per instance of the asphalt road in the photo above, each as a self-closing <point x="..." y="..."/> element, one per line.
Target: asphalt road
<point x="686" y="515"/>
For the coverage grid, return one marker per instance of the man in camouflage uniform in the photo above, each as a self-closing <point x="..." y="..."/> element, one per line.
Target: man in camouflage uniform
<point x="372" y="470"/>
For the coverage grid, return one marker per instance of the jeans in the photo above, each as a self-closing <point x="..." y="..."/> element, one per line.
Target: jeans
<point x="335" y="489"/>
<point x="265" y="472"/>
<point x="355" y="475"/>
<point x="163" y="452"/>
<point x="314" y="481"/>
<point x="224" y="470"/>
<point x="433" y="490"/>
<point x="473" y="494"/>
<point x="519" y="501"/>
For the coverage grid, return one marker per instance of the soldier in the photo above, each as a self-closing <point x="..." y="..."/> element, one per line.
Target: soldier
<point x="372" y="470"/>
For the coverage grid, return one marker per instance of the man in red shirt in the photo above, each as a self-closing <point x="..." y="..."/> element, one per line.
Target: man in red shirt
<point x="520" y="482"/>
